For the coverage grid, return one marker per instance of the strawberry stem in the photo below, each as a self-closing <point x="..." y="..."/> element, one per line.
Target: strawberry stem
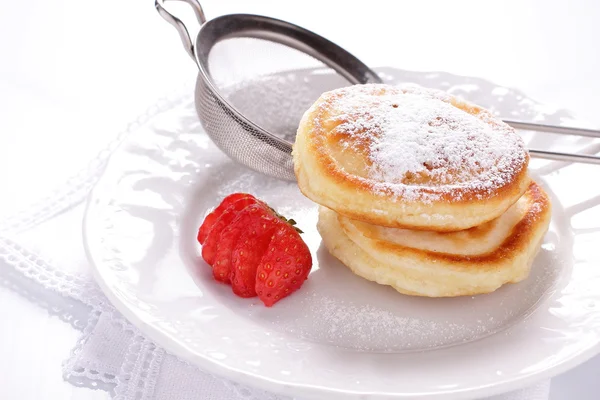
<point x="290" y="221"/>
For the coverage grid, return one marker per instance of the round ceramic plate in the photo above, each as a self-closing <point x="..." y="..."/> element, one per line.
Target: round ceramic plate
<point x="339" y="337"/>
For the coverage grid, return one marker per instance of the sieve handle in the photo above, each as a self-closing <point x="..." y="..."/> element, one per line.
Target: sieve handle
<point x="184" y="34"/>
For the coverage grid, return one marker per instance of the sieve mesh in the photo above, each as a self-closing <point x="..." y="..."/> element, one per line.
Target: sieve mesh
<point x="242" y="69"/>
<point x="240" y="140"/>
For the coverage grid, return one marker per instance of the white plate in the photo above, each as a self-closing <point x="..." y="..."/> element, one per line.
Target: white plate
<point x="339" y="337"/>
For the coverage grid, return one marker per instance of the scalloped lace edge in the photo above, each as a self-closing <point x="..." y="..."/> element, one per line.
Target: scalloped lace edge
<point x="143" y="358"/>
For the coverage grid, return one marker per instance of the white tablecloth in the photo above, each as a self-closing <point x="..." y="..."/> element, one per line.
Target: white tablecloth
<point x="72" y="74"/>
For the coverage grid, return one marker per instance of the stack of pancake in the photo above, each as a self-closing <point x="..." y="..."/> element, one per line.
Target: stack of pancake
<point x="420" y="190"/>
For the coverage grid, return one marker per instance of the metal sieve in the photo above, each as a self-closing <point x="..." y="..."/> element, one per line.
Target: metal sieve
<point x="266" y="149"/>
<point x="240" y="138"/>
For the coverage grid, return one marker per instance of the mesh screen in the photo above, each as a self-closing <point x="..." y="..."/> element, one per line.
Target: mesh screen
<point x="271" y="85"/>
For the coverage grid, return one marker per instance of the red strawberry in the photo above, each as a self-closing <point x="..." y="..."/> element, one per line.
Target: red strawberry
<point x="255" y="249"/>
<point x="223" y="260"/>
<point x="209" y="247"/>
<point x="284" y="267"/>
<point x="212" y="218"/>
<point x="249" y="249"/>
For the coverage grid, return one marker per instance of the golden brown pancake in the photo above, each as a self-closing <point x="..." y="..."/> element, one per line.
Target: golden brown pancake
<point x="408" y="158"/>
<point x="435" y="264"/>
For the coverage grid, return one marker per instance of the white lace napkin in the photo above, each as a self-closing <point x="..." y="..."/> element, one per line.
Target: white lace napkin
<point x="44" y="260"/>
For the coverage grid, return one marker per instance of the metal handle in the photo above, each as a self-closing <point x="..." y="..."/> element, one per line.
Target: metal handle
<point x="187" y="41"/>
<point x="568" y="157"/>
<point x="562" y="130"/>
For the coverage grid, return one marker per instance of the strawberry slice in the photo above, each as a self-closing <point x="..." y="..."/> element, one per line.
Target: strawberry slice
<point x="209" y="247"/>
<point x="223" y="260"/>
<point x="250" y="248"/>
<point x="212" y="218"/>
<point x="284" y="267"/>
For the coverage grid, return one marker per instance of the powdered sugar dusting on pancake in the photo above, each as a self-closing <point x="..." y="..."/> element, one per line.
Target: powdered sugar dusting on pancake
<point x="415" y="138"/>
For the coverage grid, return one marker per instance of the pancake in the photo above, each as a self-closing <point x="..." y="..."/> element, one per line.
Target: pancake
<point x="433" y="264"/>
<point x="408" y="157"/>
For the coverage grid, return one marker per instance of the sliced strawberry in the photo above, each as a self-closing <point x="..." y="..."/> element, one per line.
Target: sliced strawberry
<point x="209" y="247"/>
<point x="255" y="249"/>
<point x="222" y="265"/>
<point x="284" y="267"/>
<point x="212" y="218"/>
<point x="249" y="250"/>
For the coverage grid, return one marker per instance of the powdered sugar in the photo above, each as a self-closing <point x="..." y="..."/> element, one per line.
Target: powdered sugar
<point x="415" y="137"/>
<point x="378" y="327"/>
<point x="354" y="314"/>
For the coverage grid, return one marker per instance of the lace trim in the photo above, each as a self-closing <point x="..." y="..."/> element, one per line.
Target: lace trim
<point x="139" y="372"/>
<point x="143" y="359"/>
<point x="70" y="366"/>
<point x="66" y="309"/>
<point x="76" y="188"/>
<point x="75" y="374"/>
<point x="66" y="284"/>
<point x="31" y="274"/>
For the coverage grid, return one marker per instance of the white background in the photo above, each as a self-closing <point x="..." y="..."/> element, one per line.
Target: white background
<point x="74" y="72"/>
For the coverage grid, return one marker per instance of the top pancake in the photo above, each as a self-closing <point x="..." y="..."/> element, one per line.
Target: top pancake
<point x="408" y="157"/>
